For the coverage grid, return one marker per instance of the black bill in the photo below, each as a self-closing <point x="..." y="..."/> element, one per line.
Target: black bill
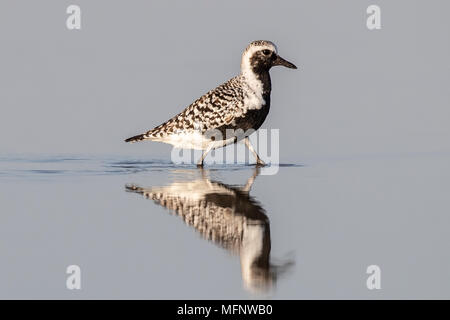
<point x="279" y="61"/>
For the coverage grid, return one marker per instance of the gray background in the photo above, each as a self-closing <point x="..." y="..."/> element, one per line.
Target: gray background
<point x="367" y="113"/>
<point x="136" y="63"/>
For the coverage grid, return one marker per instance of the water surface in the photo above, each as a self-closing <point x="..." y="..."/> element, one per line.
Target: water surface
<point x="147" y="228"/>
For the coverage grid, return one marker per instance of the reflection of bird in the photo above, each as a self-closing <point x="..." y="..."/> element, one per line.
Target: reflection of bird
<point x="240" y="105"/>
<point x="228" y="216"/>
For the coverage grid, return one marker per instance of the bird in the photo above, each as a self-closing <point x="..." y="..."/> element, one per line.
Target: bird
<point x="227" y="216"/>
<point x="230" y="112"/>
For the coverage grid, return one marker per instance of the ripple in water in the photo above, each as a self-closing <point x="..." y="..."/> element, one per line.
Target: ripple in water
<point x="21" y="166"/>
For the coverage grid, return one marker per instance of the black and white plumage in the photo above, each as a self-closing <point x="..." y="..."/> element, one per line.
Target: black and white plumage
<point x="225" y="215"/>
<point x="242" y="102"/>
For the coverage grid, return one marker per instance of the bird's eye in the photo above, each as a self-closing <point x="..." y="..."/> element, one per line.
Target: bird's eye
<point x="266" y="52"/>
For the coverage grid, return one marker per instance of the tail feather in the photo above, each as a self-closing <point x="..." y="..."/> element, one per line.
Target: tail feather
<point x="137" y="138"/>
<point x="156" y="132"/>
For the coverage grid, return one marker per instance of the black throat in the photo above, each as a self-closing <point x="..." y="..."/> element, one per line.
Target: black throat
<point x="264" y="77"/>
<point x="260" y="67"/>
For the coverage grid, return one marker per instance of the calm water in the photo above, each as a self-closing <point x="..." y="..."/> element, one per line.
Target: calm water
<point x="145" y="228"/>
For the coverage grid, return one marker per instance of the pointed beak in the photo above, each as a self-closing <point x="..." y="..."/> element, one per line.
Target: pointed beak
<point x="279" y="61"/>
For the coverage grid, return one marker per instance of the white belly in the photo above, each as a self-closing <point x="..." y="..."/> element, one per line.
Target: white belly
<point x="193" y="140"/>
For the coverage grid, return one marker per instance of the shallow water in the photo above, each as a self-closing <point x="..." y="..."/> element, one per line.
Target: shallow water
<point x="147" y="228"/>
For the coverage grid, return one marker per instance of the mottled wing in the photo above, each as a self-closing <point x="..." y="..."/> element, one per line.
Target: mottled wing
<point x="216" y="109"/>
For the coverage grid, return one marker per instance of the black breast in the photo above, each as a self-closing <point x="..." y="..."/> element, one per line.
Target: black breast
<point x="254" y="118"/>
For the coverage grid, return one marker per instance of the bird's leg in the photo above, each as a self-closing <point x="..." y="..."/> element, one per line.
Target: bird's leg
<point x="259" y="162"/>
<point x="200" y="161"/>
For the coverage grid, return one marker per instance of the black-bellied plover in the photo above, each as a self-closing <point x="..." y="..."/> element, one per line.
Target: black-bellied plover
<point x="240" y="105"/>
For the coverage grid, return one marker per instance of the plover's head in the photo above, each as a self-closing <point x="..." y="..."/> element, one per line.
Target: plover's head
<point x="262" y="55"/>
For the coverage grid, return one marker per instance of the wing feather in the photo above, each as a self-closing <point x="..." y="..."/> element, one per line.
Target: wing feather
<point x="215" y="109"/>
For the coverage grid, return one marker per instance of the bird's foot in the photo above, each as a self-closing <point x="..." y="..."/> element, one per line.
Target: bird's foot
<point x="260" y="163"/>
<point x="200" y="164"/>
